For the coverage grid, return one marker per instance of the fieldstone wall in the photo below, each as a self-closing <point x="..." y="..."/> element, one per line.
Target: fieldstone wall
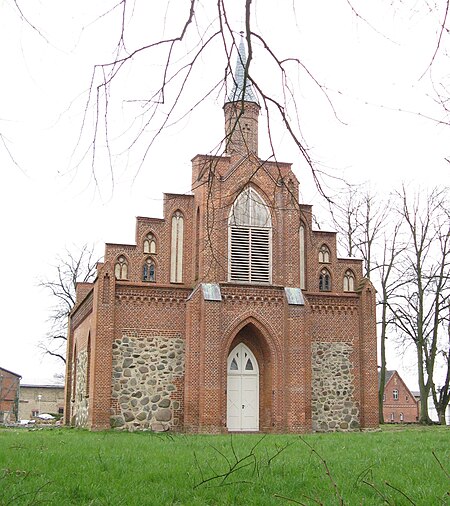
<point x="81" y="405"/>
<point x="147" y="383"/>
<point x="333" y="406"/>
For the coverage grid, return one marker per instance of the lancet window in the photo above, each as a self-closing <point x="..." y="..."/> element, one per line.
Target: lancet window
<point x="324" y="254"/>
<point x="324" y="281"/>
<point x="150" y="244"/>
<point x="176" y="258"/>
<point x="149" y="270"/>
<point x="349" y="281"/>
<point x="121" y="268"/>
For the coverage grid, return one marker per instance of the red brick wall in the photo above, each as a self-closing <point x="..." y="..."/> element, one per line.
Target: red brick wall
<point x="9" y="395"/>
<point x="279" y="335"/>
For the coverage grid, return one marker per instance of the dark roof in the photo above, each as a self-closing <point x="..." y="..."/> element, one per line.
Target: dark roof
<point x="10" y="372"/>
<point x="41" y="386"/>
<point x="387" y="377"/>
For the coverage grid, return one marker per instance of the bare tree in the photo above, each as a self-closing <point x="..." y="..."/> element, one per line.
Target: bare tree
<point x="359" y="217"/>
<point x="391" y="278"/>
<point x="441" y="391"/>
<point x="76" y="264"/>
<point x="421" y="307"/>
<point x="364" y="231"/>
<point x="346" y="222"/>
<point x="372" y="219"/>
<point x="187" y="34"/>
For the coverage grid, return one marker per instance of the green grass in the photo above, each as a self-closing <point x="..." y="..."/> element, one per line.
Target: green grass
<point x="64" y="467"/>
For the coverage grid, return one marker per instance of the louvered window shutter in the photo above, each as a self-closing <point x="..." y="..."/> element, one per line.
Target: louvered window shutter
<point x="250" y="239"/>
<point x="260" y="255"/>
<point x="250" y="255"/>
<point x="240" y="254"/>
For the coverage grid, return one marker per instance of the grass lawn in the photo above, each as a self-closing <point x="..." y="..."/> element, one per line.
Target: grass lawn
<point x="66" y="466"/>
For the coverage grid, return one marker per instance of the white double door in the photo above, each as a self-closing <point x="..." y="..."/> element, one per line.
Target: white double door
<point x="242" y="390"/>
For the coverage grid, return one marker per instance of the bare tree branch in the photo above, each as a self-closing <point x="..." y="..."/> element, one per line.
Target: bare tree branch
<point x="75" y="265"/>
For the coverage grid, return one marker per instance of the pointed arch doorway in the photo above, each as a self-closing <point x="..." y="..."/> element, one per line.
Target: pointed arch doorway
<point x="242" y="390"/>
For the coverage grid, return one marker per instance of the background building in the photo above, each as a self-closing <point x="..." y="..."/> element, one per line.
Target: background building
<point x="39" y="399"/>
<point x="9" y="396"/>
<point x="400" y="405"/>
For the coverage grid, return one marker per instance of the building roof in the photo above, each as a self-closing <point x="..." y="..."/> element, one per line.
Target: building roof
<point x="387" y="377"/>
<point x="41" y="386"/>
<point x="239" y="91"/>
<point x="10" y="372"/>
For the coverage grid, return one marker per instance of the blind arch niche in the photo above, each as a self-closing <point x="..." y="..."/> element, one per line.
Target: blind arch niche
<point x="176" y="256"/>
<point x="249" y="239"/>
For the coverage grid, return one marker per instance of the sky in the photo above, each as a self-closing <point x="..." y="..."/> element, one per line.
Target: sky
<point x="377" y="131"/>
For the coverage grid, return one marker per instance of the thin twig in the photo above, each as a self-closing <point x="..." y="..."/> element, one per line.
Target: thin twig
<point x="400" y="492"/>
<point x="440" y="465"/>
<point x="327" y="470"/>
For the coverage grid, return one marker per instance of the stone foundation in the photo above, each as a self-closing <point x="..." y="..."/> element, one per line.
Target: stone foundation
<point x="81" y="405"/>
<point x="147" y="383"/>
<point x="333" y="406"/>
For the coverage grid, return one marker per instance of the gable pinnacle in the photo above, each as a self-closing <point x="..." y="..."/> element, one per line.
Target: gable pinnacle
<point x="238" y="92"/>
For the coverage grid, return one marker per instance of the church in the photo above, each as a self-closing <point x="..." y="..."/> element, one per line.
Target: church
<point x="228" y="314"/>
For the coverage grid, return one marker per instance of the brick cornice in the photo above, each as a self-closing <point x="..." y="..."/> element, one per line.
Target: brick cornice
<point x="146" y="295"/>
<point x="239" y="293"/>
<point x="329" y="303"/>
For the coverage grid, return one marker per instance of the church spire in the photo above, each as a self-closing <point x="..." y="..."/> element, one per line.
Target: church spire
<point x="239" y="91"/>
<point x="241" y="112"/>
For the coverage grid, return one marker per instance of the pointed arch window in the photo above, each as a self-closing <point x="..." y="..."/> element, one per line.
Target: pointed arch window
<point x="324" y="254"/>
<point x="302" y="256"/>
<point x="176" y="257"/>
<point x="121" y="268"/>
<point x="150" y="244"/>
<point x="250" y="239"/>
<point x="234" y="365"/>
<point x="324" y="281"/>
<point x="149" y="270"/>
<point x="249" y="365"/>
<point x="242" y="361"/>
<point x="349" y="281"/>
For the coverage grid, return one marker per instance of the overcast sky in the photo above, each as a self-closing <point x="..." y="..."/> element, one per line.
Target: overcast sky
<point x="49" y="200"/>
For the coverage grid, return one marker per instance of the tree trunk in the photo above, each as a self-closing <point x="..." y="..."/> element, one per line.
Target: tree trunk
<point x="383" y="363"/>
<point x="441" y="417"/>
<point x="423" y="388"/>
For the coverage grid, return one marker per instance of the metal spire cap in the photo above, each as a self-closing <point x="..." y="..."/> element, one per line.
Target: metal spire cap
<point x="238" y="93"/>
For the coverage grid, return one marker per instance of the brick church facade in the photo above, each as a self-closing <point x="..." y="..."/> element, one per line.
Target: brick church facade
<point x="229" y="314"/>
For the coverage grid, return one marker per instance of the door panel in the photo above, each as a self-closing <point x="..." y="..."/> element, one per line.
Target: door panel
<point x="242" y="390"/>
<point x="234" y="403"/>
<point x="250" y="403"/>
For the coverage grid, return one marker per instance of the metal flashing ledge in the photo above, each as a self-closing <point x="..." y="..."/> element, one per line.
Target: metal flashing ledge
<point x="211" y="291"/>
<point x="294" y="296"/>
